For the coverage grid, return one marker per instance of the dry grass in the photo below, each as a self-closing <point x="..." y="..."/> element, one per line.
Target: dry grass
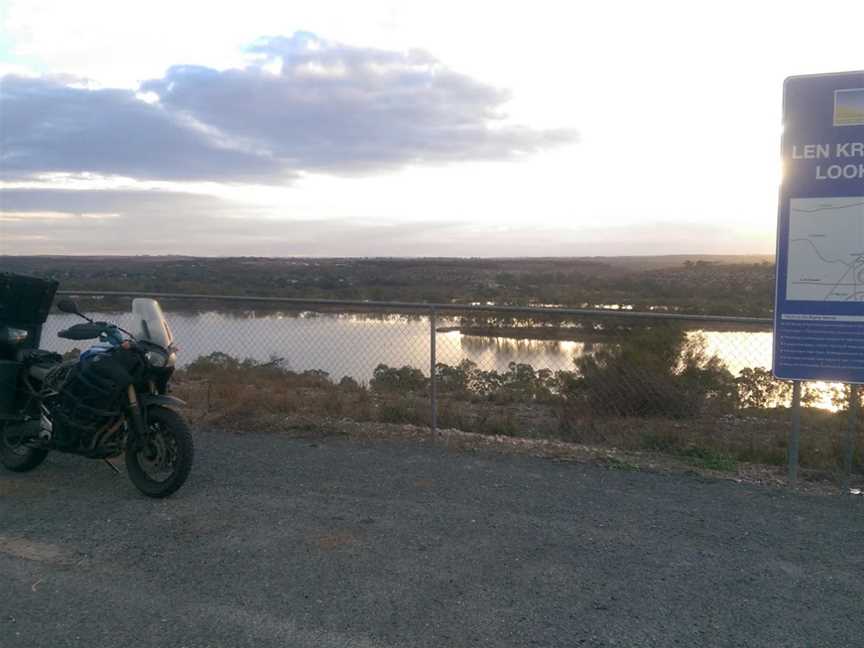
<point x="232" y="399"/>
<point x="262" y="398"/>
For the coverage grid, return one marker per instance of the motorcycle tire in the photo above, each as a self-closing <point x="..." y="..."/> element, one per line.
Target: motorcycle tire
<point x="168" y="438"/>
<point x="18" y="458"/>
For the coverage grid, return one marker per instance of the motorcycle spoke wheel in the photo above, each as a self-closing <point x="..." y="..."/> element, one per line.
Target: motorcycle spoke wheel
<point x="161" y="465"/>
<point x="158" y="457"/>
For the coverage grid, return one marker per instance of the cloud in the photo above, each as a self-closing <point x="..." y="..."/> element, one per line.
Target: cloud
<point x="49" y="126"/>
<point x="40" y="221"/>
<point x="46" y="221"/>
<point x="72" y="201"/>
<point x="303" y="104"/>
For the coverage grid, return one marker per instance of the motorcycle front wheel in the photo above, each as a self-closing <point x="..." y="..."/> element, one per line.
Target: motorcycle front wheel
<point x="162" y="463"/>
<point x="16" y="456"/>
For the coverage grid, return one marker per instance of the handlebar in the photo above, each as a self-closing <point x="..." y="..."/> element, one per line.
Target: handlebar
<point x="85" y="331"/>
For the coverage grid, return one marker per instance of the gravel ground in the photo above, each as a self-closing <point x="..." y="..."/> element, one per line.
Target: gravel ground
<point x="289" y="542"/>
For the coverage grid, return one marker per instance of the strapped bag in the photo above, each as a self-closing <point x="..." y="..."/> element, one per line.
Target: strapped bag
<point x="92" y="396"/>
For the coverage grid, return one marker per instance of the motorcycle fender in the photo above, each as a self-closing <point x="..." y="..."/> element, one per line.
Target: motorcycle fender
<point x="160" y="399"/>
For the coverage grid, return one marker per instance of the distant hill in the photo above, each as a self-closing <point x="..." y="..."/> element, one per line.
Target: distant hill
<point x="713" y="284"/>
<point x="675" y="260"/>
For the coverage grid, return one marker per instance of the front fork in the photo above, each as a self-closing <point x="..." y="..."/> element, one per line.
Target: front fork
<point x="135" y="417"/>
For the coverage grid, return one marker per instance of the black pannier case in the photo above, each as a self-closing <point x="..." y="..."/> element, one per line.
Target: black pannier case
<point x="24" y="304"/>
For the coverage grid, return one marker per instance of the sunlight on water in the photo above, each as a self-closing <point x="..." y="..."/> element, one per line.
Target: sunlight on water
<point x="738" y="349"/>
<point x="741" y="349"/>
<point x="354" y="344"/>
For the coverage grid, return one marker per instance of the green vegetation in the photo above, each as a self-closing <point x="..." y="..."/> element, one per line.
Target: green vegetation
<point x="654" y="372"/>
<point x="710" y="459"/>
<point x="657" y="391"/>
<point x="614" y="463"/>
<point x="638" y="386"/>
<point x="707" y="285"/>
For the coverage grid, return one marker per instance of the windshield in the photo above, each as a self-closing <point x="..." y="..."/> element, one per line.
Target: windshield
<point x="150" y="323"/>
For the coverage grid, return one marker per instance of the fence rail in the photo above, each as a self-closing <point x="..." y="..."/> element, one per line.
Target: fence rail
<point x="683" y="382"/>
<point x="430" y="307"/>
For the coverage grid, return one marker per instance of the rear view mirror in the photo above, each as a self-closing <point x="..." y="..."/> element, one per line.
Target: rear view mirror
<point x="68" y="306"/>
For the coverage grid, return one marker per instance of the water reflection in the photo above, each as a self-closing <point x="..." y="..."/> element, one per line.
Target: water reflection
<point x="741" y="349"/>
<point x="497" y="352"/>
<point x="353" y="344"/>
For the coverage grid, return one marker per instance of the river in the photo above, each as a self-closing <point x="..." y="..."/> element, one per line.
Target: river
<point x="353" y="345"/>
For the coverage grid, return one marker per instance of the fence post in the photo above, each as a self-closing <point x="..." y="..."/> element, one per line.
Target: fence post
<point x="795" y="433"/>
<point x="433" y="384"/>
<point x="849" y="449"/>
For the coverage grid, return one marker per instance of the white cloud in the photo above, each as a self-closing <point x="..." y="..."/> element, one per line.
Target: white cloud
<point x="677" y="104"/>
<point x="385" y="109"/>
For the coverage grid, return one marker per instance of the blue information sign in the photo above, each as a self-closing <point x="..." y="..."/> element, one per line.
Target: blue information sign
<point x="819" y="310"/>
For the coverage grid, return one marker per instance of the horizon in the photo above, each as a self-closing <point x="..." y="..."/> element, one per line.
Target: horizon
<point x="385" y="131"/>
<point x="394" y="257"/>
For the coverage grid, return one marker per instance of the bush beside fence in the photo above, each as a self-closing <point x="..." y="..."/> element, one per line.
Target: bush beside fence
<point x="629" y="381"/>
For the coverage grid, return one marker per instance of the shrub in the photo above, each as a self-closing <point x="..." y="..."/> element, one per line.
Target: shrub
<point x="653" y="372"/>
<point x="711" y="459"/>
<point x="404" y="379"/>
<point x="348" y="382"/>
<point x="404" y="410"/>
<point x="757" y="387"/>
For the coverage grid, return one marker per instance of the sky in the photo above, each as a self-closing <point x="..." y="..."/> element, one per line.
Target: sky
<point x="401" y="128"/>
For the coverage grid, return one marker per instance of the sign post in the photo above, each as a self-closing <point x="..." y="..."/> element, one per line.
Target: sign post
<point x="849" y="445"/>
<point x="794" y="433"/>
<point x="819" y="309"/>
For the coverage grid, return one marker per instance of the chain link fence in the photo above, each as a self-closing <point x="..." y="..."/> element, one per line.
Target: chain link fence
<point x="691" y="385"/>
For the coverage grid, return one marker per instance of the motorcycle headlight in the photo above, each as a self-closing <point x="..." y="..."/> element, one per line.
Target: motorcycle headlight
<point x="160" y="359"/>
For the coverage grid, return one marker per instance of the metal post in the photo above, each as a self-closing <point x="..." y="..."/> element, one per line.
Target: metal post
<point x="795" y="433"/>
<point x="849" y="450"/>
<point x="433" y="385"/>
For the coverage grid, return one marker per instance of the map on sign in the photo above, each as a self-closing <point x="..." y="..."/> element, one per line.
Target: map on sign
<point x="849" y="107"/>
<point x="826" y="249"/>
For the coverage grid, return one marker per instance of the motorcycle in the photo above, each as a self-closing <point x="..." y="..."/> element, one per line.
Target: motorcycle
<point x="113" y="400"/>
